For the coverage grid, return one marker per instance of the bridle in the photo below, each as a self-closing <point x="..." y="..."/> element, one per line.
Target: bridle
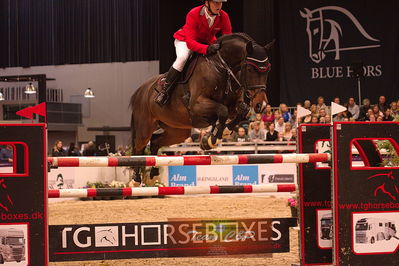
<point x="259" y="65"/>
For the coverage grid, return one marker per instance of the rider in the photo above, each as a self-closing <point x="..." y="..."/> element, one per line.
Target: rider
<point x="197" y="35"/>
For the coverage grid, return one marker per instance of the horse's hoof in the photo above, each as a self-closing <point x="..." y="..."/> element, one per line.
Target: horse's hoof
<point x="209" y="142"/>
<point x="213" y="142"/>
<point x="154" y="172"/>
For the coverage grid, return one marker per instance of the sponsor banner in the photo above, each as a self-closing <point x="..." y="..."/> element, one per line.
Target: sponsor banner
<point x="23" y="197"/>
<point x="210" y="175"/>
<point x="61" y="178"/>
<point x="277" y="173"/>
<point x="315" y="197"/>
<point x="175" y="238"/>
<point x="326" y="45"/>
<point x="245" y="175"/>
<point x="365" y="198"/>
<point x="182" y="175"/>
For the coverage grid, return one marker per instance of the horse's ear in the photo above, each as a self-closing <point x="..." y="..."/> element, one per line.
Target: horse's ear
<point x="269" y="46"/>
<point x="250" y="47"/>
<point x="305" y="14"/>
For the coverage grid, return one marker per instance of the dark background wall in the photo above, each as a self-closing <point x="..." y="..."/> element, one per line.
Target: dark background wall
<point x="255" y="17"/>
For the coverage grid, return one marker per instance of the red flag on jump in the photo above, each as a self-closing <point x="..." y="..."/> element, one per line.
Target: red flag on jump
<point x="39" y="109"/>
<point x="26" y="112"/>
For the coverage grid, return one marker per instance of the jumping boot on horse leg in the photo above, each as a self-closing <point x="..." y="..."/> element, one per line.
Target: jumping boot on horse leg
<point x="168" y="83"/>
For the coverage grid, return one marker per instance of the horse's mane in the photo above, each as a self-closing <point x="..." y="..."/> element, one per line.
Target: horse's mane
<point x="236" y="35"/>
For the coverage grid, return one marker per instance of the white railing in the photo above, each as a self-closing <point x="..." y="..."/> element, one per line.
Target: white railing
<point x="232" y="147"/>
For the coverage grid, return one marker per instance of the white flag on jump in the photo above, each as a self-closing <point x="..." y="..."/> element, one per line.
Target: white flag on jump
<point x="301" y="112"/>
<point x="336" y="108"/>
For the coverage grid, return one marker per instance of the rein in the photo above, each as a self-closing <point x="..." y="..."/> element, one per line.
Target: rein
<point x="230" y="74"/>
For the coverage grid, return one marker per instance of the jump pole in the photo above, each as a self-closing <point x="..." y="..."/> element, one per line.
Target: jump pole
<point x="158" y="191"/>
<point x="139" y="161"/>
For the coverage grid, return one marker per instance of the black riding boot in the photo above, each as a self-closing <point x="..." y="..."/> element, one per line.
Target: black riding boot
<point x="171" y="77"/>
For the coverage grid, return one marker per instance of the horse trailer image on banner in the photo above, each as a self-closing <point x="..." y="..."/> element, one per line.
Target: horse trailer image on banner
<point x="326" y="226"/>
<point x="369" y="230"/>
<point x="12" y="245"/>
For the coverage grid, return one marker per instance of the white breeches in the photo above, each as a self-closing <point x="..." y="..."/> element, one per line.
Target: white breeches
<point x="182" y="55"/>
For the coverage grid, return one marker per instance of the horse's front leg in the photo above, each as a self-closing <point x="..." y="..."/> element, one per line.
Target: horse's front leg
<point x="242" y="111"/>
<point x="206" y="112"/>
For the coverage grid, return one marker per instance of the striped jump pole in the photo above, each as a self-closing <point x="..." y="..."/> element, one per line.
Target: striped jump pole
<point x="160" y="191"/>
<point x="139" y="161"/>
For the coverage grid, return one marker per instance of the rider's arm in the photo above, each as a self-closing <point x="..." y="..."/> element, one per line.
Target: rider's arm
<point x="191" y="30"/>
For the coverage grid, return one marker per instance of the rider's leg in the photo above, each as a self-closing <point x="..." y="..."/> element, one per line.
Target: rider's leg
<point x="182" y="53"/>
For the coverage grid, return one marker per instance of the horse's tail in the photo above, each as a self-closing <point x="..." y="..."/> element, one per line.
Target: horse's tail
<point x="132" y="127"/>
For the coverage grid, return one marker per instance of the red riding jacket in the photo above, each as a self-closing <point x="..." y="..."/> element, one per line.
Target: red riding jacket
<point x="196" y="32"/>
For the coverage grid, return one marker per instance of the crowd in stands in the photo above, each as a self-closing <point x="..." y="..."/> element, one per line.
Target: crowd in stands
<point x="274" y="124"/>
<point x="88" y="149"/>
<point x="279" y="124"/>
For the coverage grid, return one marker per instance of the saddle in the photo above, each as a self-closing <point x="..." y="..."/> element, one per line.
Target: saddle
<point x="184" y="77"/>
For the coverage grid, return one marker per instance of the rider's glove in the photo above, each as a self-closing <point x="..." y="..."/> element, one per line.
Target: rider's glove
<point x="212" y="49"/>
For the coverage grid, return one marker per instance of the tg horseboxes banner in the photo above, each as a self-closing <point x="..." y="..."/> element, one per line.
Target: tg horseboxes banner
<point x="320" y="41"/>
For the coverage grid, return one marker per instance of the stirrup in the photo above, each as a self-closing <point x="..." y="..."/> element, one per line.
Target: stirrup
<point x="161" y="98"/>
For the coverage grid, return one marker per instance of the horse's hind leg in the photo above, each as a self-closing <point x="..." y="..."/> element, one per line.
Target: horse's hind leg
<point x="168" y="137"/>
<point x="209" y="110"/>
<point x="142" y="134"/>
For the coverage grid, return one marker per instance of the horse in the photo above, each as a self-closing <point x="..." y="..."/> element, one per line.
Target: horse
<point x="221" y="87"/>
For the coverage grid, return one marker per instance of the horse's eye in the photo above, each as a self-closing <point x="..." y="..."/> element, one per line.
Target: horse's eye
<point x="315" y="31"/>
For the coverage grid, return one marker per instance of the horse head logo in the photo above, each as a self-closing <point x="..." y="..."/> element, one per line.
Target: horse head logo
<point x="325" y="34"/>
<point x="387" y="184"/>
<point x="5" y="200"/>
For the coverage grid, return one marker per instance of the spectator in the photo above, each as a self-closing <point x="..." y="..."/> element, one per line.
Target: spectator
<point x="90" y="149"/>
<point x="280" y="125"/>
<point x="376" y="111"/>
<point x="257" y="133"/>
<point x="280" y="136"/>
<point x="293" y="121"/>
<point x="337" y="100"/>
<point x="268" y="116"/>
<point x="369" y="114"/>
<point x="258" y="118"/>
<point x="322" y="113"/>
<point x="382" y="104"/>
<point x="395" y="110"/>
<point x="58" y="150"/>
<point x="73" y="150"/>
<point x="322" y="119"/>
<point x="339" y="117"/>
<point x="307" y="119"/>
<point x="363" y="110"/>
<point x="380" y="119"/>
<point x="287" y="131"/>
<point x="241" y="136"/>
<point x="321" y="104"/>
<point x="387" y="115"/>
<point x="315" y="119"/>
<point x="313" y="109"/>
<point x="285" y="113"/>
<point x="353" y="108"/>
<point x="272" y="134"/>
<point x="277" y="115"/>
<point x="227" y="135"/>
<point x="307" y="104"/>
<point x="293" y="134"/>
<point x="328" y="119"/>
